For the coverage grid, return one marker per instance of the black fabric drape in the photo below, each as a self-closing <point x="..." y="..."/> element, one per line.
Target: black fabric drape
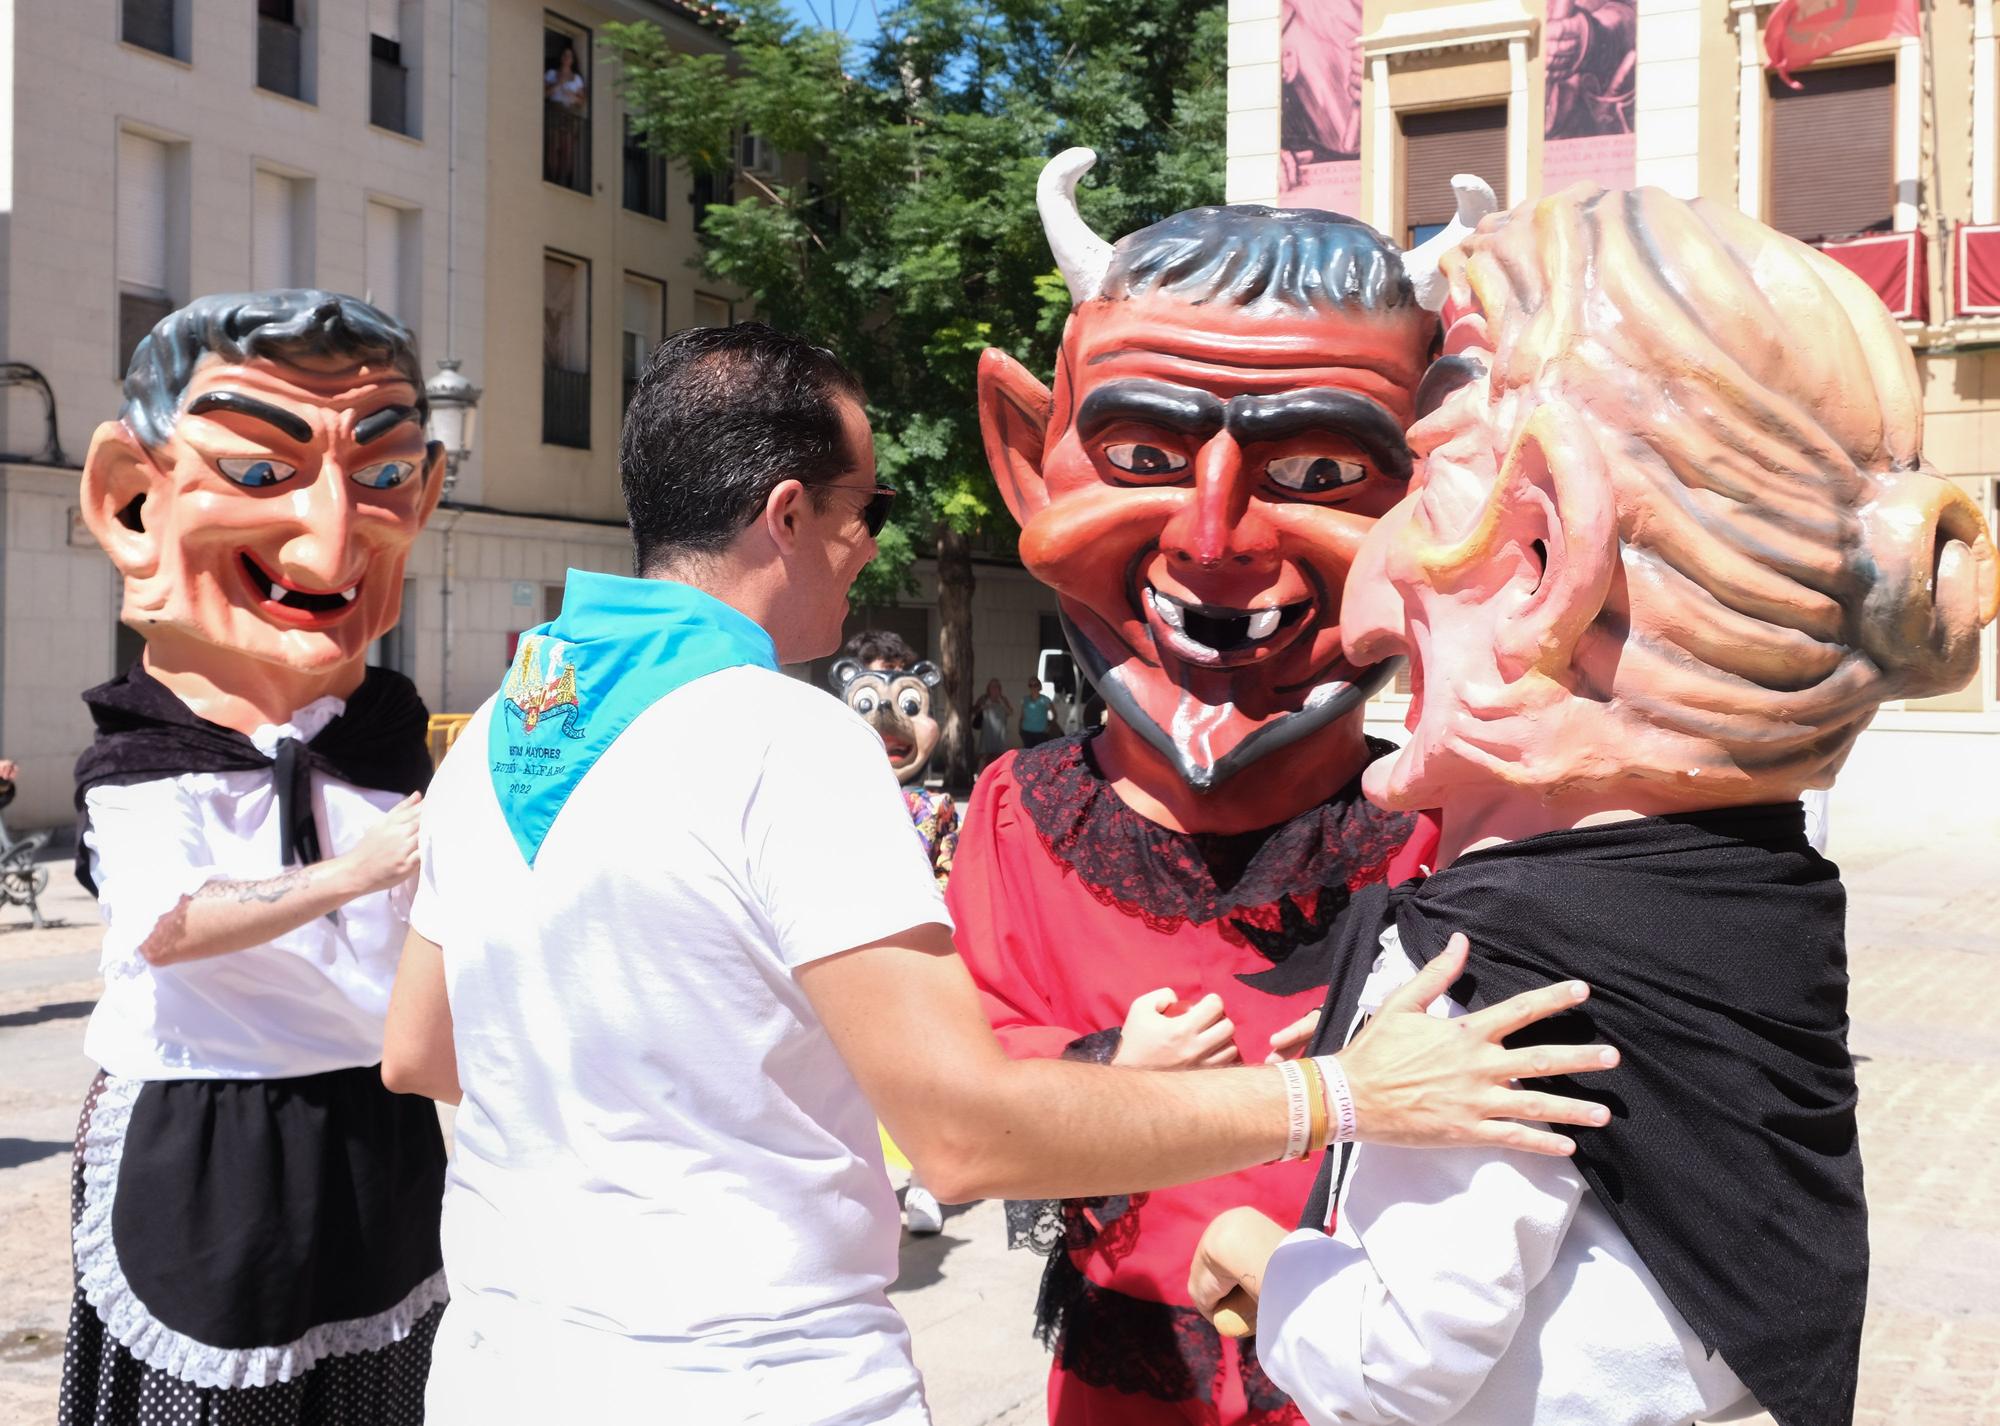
<point x="144" y="732"/>
<point x="1715" y="948"/>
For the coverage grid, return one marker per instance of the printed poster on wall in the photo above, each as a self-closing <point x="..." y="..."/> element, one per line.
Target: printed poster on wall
<point x="1319" y="143"/>
<point x="1589" y="53"/>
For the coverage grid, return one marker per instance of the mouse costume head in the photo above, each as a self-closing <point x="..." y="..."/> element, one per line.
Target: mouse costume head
<point x="1227" y="421"/>
<point x="1671" y="538"/>
<point x="264" y="483"/>
<point x="881" y="678"/>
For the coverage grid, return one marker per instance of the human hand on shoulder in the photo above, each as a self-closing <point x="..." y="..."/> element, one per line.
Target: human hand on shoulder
<point x="1422" y="1080"/>
<point x="1154" y="1037"/>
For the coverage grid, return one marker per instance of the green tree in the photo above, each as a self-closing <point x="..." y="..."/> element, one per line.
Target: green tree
<point x="904" y="234"/>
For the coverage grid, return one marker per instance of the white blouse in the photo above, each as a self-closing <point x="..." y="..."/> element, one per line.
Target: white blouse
<point x="1477" y="1286"/>
<point x="309" y="1001"/>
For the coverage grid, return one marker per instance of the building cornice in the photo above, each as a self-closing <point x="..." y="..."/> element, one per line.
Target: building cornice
<point x="1479" y="25"/>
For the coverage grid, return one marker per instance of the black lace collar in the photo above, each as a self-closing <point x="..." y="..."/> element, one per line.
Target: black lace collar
<point x="1252" y="881"/>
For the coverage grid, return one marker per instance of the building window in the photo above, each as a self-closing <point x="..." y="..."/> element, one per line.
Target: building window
<point x="566" y="104"/>
<point x="280" y="231"/>
<point x="1833" y="155"/>
<point x="392" y="251"/>
<point x="565" y="351"/>
<point x="645" y="177"/>
<point x="710" y="188"/>
<point x="157" y="25"/>
<point x="1437" y="145"/>
<point x="151" y="235"/>
<point x="711" y="311"/>
<point x="394" y="30"/>
<point x="284" y="49"/>
<point x="643" y="312"/>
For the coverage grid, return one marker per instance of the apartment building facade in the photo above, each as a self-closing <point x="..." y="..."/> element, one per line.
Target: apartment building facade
<point x="153" y="151"/>
<point x="1885" y="157"/>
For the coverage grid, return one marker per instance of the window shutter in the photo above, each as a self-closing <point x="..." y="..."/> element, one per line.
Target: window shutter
<point x="272" y="238"/>
<point x="385" y="18"/>
<point x="1833" y="151"/>
<point x="142" y="212"/>
<point x="384" y="257"/>
<point x="1438" y="145"/>
<point x="642" y="310"/>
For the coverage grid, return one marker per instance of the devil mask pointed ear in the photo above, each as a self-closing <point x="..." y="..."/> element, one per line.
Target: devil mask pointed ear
<point x="843" y="672"/>
<point x="119" y="474"/>
<point x="1014" y="421"/>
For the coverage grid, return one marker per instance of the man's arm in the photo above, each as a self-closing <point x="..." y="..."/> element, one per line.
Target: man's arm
<point x="222" y="916"/>
<point x="419" y="1055"/>
<point x="978" y="1124"/>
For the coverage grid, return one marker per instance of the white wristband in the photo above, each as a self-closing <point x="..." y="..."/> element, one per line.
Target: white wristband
<point x="1339" y="1100"/>
<point x="1298" y="1112"/>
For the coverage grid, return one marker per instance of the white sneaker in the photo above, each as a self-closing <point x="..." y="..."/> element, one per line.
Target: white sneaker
<point x="921" y="1214"/>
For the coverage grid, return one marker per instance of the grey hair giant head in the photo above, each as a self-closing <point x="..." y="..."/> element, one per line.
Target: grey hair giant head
<point x="236" y="326"/>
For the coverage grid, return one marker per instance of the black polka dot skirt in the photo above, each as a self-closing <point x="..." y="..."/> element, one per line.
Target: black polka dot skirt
<point x="253" y="1253"/>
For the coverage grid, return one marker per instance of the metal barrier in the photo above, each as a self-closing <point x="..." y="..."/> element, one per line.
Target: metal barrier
<point x="443" y="732"/>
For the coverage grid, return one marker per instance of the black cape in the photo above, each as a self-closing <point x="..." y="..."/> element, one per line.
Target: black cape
<point x="1715" y="948"/>
<point x="145" y="732"/>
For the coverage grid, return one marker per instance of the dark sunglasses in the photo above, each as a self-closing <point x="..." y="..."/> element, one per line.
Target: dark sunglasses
<point x="874" y="514"/>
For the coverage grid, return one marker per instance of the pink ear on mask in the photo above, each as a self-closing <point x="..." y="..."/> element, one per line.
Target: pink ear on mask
<point x="1555" y="490"/>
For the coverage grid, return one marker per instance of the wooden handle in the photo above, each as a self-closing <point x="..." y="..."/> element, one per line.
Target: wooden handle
<point x="1236" y="1315"/>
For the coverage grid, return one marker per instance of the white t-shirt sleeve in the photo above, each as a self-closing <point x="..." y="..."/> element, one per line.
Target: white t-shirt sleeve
<point x="429" y="911"/>
<point x="1401" y="1314"/>
<point x="147" y="850"/>
<point x="834" y="860"/>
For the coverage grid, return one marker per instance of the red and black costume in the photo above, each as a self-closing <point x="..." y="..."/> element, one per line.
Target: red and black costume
<point x="1068" y="906"/>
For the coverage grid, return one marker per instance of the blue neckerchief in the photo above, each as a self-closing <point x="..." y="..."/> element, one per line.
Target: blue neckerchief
<point x="618" y="647"/>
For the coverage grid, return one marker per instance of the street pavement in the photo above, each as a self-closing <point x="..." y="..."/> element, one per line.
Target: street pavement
<point x="1924" y="940"/>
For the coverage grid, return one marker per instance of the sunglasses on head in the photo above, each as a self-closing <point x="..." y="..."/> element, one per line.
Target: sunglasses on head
<point x="875" y="513"/>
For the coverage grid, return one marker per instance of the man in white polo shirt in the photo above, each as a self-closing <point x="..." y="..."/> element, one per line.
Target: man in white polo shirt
<point x="673" y="936"/>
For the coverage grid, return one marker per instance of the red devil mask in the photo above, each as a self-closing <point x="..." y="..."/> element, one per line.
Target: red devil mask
<point x="1226" y="424"/>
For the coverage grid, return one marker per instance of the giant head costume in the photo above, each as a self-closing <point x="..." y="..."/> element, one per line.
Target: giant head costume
<point x="1226" y="423"/>
<point x="262" y="488"/>
<point x="1671" y="539"/>
<point x="882" y="679"/>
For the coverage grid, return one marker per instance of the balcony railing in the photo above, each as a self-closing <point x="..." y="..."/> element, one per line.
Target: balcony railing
<point x="388" y="95"/>
<point x="280" y="57"/>
<point x="149" y="24"/>
<point x="565" y="147"/>
<point x="565" y="407"/>
<point x="645" y="180"/>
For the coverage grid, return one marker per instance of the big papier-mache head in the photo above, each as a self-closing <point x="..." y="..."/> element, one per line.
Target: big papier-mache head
<point x="880" y="677"/>
<point x="263" y="485"/>
<point x="1227" y="422"/>
<point x="1671" y="538"/>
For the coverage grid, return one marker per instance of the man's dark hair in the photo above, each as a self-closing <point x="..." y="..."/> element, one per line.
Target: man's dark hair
<point x="236" y="326"/>
<point x="872" y="646"/>
<point x="1302" y="257"/>
<point x="722" y="415"/>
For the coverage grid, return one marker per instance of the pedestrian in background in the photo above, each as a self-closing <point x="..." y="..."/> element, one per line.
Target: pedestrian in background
<point x="1038" y="712"/>
<point x="991" y="715"/>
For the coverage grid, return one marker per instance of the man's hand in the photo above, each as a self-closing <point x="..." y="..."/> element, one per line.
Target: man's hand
<point x="386" y="854"/>
<point x="10" y="770"/>
<point x="1231" y="1258"/>
<point x="1200" y="1037"/>
<point x="1293" y="1038"/>
<point x="1421" y="1080"/>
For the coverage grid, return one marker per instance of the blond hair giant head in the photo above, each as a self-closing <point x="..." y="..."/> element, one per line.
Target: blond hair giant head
<point x="1671" y="538"/>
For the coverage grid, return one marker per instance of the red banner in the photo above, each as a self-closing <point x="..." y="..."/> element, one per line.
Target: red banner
<point x="1801" y="31"/>
<point x="1978" y="268"/>
<point x="1893" y="265"/>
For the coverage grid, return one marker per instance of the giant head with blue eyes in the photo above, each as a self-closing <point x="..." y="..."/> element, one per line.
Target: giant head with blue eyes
<point x="263" y="484"/>
<point x="1226" y="423"/>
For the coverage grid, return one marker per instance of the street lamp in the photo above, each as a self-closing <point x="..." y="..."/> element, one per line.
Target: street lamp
<point x="454" y="408"/>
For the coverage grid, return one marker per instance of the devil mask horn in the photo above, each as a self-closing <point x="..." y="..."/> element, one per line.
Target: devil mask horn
<point x="1475" y="201"/>
<point x="1083" y="256"/>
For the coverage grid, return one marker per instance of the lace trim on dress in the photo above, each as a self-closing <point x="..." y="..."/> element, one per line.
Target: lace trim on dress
<point x="1167" y="878"/>
<point x="159" y="1346"/>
